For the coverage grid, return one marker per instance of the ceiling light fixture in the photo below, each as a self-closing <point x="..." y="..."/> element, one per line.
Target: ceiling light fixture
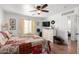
<point x="39" y="12"/>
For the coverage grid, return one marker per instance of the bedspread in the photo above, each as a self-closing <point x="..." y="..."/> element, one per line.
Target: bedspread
<point x="9" y="49"/>
<point x="12" y="46"/>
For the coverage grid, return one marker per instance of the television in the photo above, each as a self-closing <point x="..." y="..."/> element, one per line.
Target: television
<point x="46" y="24"/>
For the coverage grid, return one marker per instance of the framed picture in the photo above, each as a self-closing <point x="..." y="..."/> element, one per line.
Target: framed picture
<point x="12" y="24"/>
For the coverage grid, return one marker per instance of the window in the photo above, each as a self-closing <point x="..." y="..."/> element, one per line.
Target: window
<point x="27" y="26"/>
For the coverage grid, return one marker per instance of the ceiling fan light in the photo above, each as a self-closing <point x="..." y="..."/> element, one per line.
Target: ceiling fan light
<point x="38" y="11"/>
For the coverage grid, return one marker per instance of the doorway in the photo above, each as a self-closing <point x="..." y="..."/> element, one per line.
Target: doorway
<point x="72" y="39"/>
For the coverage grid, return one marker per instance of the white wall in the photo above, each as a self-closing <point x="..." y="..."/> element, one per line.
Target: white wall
<point x="1" y="17"/>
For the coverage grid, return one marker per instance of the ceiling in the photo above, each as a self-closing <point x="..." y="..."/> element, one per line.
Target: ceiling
<point x="26" y="8"/>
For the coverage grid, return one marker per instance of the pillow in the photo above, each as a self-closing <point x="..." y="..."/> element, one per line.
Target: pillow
<point x="8" y="34"/>
<point x="9" y="42"/>
<point x="4" y="34"/>
<point x="2" y="39"/>
<point x="35" y="36"/>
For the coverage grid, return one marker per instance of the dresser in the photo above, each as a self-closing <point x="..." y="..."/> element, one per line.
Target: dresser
<point x="47" y="34"/>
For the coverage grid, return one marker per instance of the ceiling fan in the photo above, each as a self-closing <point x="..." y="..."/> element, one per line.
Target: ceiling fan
<point x="40" y="8"/>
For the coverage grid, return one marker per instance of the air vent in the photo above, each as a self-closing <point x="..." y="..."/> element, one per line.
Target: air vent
<point x="66" y="13"/>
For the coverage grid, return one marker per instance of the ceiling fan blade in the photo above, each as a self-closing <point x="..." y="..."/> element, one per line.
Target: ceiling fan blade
<point x="44" y="6"/>
<point x="44" y="10"/>
<point x="38" y="7"/>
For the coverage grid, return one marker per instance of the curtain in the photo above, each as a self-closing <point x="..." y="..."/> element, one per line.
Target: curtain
<point x="21" y="26"/>
<point x="33" y="26"/>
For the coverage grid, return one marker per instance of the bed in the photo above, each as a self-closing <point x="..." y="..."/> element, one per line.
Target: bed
<point x="21" y="45"/>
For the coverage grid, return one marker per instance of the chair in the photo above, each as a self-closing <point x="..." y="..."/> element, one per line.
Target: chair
<point x="25" y="48"/>
<point x="51" y="49"/>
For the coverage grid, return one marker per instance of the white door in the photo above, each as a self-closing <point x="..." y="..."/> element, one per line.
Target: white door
<point x="73" y="27"/>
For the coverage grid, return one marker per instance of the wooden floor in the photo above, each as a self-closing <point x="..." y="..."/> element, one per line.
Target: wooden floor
<point x="65" y="49"/>
<point x="73" y="47"/>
